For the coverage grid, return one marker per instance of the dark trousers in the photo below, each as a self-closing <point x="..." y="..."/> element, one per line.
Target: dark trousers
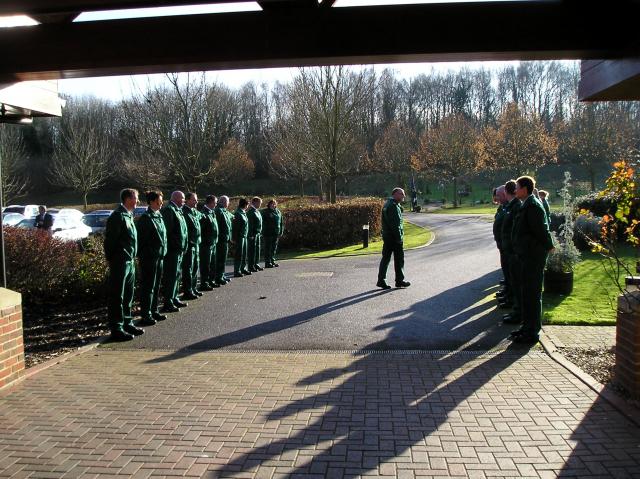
<point x="151" y="271"/>
<point x="240" y="255"/>
<point x="121" y="284"/>
<point x="253" y="251"/>
<point x="515" y="283"/>
<point x="172" y="271"/>
<point x="504" y="265"/>
<point x="188" y="267"/>
<point x="389" y="248"/>
<point x="205" y="263"/>
<point x="270" y="249"/>
<point x="222" y="250"/>
<point x="532" y="277"/>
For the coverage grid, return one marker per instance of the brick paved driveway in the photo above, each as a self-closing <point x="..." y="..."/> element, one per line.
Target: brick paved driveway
<point x="223" y="414"/>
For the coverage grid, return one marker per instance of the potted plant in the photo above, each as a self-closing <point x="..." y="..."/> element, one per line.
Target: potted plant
<point x="558" y="275"/>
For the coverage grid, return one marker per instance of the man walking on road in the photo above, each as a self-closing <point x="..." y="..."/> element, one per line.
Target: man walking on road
<point x="120" y="246"/>
<point x="393" y="238"/>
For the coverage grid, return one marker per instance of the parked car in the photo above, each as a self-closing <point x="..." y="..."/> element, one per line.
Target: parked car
<point x="70" y="212"/>
<point x="64" y="227"/>
<point x="12" y="219"/>
<point x="97" y="220"/>
<point x="138" y="211"/>
<point x="28" y="211"/>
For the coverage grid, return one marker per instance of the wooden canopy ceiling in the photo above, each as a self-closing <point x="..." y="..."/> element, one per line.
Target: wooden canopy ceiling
<point x="307" y="32"/>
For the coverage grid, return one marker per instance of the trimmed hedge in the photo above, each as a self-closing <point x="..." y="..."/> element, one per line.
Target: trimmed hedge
<point x="46" y="269"/>
<point x="329" y="225"/>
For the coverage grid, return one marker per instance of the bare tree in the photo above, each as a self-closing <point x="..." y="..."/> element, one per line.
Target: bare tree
<point x="81" y="158"/>
<point x="394" y="151"/>
<point x="12" y="156"/>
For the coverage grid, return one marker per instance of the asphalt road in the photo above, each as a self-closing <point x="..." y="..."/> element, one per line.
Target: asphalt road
<point x="333" y="304"/>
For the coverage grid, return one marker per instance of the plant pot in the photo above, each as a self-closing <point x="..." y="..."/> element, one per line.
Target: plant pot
<point x="558" y="282"/>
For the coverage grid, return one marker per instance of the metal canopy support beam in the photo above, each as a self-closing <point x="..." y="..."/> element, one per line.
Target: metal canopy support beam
<point x="319" y="36"/>
<point x="608" y="80"/>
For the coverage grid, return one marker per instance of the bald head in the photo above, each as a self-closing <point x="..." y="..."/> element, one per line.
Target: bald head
<point x="501" y="196"/>
<point x="178" y="198"/>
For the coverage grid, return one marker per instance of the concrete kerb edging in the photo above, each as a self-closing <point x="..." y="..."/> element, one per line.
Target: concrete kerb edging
<point x="605" y="392"/>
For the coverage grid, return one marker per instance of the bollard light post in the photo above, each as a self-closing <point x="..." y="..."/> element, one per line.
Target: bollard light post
<point x="365" y="235"/>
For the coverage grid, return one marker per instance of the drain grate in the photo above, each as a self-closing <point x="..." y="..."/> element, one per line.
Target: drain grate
<point x="315" y="274"/>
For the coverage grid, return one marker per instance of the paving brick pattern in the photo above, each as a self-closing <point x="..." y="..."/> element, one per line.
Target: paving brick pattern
<point x="588" y="337"/>
<point x="272" y="415"/>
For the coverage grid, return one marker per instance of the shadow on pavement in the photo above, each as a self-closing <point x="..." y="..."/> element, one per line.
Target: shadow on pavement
<point x="262" y="329"/>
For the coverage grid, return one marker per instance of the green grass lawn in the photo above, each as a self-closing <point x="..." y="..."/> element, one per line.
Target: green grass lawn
<point x="594" y="297"/>
<point x="414" y="236"/>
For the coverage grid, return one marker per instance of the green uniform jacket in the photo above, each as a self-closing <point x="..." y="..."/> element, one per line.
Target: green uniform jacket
<point x="152" y="235"/>
<point x="224" y="224"/>
<point x="498" y="219"/>
<point x="392" y="224"/>
<point x="240" y="224"/>
<point x="272" y="222"/>
<point x="510" y="212"/>
<point x="177" y="233"/>
<point x="547" y="209"/>
<point x="530" y="236"/>
<point x="192" y="218"/>
<point x="208" y="227"/>
<point x="121" y="238"/>
<point x="255" y="221"/>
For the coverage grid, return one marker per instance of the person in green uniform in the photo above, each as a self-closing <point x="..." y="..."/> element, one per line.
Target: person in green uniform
<point x="209" y="235"/>
<point x="192" y="253"/>
<point x="500" y="200"/>
<point x="152" y="247"/>
<point x="272" y="230"/>
<point x="120" y="246"/>
<point x="532" y="243"/>
<point x="177" y="238"/>
<point x="255" y="232"/>
<point x="240" y="230"/>
<point x="392" y="241"/>
<point x="224" y="236"/>
<point x="543" y="195"/>
<point x="512" y="266"/>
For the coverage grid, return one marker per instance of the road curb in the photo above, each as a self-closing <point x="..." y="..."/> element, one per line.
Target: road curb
<point x="605" y="392"/>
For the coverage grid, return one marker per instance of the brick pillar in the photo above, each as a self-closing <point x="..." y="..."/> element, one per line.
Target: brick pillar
<point x="628" y="340"/>
<point x="11" y="342"/>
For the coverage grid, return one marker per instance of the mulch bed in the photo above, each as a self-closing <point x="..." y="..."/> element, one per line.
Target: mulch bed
<point x="50" y="331"/>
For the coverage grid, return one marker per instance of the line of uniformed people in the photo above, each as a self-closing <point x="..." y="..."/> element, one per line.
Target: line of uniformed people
<point x="176" y="244"/>
<point x="521" y="232"/>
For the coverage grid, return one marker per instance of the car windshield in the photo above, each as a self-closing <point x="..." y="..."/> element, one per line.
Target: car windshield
<point x="28" y="223"/>
<point x="14" y="209"/>
<point x="95" y="220"/>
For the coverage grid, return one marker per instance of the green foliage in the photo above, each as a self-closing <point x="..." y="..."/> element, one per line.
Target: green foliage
<point x="323" y="225"/>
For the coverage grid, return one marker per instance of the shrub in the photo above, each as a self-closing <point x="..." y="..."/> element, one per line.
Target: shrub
<point x="41" y="267"/>
<point x="328" y="225"/>
<point x="596" y="204"/>
<point x="587" y="229"/>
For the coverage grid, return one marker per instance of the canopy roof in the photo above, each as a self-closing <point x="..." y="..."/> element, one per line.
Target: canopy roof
<point x="21" y="101"/>
<point x="307" y="32"/>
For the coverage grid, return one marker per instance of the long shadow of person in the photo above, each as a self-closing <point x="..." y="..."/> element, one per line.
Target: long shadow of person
<point x="380" y="405"/>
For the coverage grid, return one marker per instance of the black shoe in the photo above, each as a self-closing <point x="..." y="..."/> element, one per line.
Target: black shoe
<point x="258" y="268"/>
<point x="402" y="284"/>
<point x="147" y="322"/>
<point x="131" y="329"/>
<point x="510" y="319"/>
<point x="383" y="285"/>
<point x="505" y="304"/>
<point x="206" y="287"/>
<point x="197" y="293"/>
<point x="170" y="308"/>
<point x="158" y="316"/>
<point x="215" y="284"/>
<point x="525" y="339"/>
<point x="120" y="336"/>
<point x="180" y="304"/>
<point x="187" y="297"/>
<point x="253" y="270"/>
<point x="502" y="282"/>
<point x="269" y="266"/>
<point x="275" y="265"/>
<point x="238" y="275"/>
<point x="246" y="272"/>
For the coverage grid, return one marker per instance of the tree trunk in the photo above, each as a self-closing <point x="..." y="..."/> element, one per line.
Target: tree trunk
<point x="455" y="192"/>
<point x="333" y="183"/>
<point x="85" y="194"/>
<point x="592" y="178"/>
<point x="321" y="188"/>
<point x="301" y="188"/>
